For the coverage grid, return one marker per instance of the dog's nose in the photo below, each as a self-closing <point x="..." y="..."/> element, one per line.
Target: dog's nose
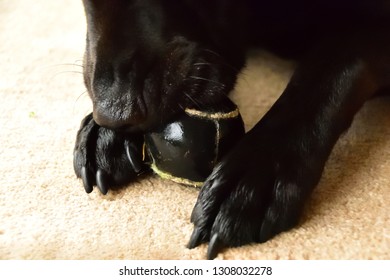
<point x="117" y="118"/>
<point x="117" y="93"/>
<point x="108" y="121"/>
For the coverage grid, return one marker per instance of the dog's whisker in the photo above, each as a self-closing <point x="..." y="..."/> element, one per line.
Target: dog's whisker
<point x="202" y="63"/>
<point x="223" y="60"/>
<point x="71" y="64"/>
<point x="208" y="80"/>
<point x="84" y="92"/>
<point x="77" y="99"/>
<point x="67" y="72"/>
<point x="212" y="52"/>
<point x="196" y="103"/>
<point x="79" y="62"/>
<point x="67" y="64"/>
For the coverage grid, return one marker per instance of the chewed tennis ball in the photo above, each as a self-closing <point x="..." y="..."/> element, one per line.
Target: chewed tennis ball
<point x="187" y="149"/>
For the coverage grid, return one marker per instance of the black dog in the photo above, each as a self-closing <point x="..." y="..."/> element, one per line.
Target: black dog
<point x="146" y="60"/>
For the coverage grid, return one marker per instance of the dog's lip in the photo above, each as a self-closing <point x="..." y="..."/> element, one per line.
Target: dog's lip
<point x="138" y="128"/>
<point x="127" y="129"/>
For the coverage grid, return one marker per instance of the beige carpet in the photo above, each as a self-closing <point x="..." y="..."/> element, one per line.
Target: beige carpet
<point x="45" y="213"/>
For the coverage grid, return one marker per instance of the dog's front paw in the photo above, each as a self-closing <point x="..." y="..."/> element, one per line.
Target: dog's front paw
<point x="254" y="193"/>
<point x="105" y="158"/>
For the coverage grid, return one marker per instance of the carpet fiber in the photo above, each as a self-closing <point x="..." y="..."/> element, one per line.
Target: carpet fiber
<point x="45" y="213"/>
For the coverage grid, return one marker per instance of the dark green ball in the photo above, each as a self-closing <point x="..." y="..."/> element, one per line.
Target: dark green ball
<point x="187" y="149"/>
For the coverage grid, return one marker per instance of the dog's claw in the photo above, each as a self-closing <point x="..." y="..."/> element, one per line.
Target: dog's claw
<point x="88" y="185"/>
<point x="215" y="246"/>
<point x="100" y="156"/>
<point x="101" y="181"/>
<point x="196" y="238"/>
<point x="132" y="154"/>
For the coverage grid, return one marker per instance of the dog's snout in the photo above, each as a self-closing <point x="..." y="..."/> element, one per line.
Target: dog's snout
<point x="117" y="117"/>
<point x="104" y="119"/>
<point x="117" y="95"/>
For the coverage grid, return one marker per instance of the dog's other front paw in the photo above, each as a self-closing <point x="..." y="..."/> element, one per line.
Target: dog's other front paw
<point x="257" y="191"/>
<point x="105" y="158"/>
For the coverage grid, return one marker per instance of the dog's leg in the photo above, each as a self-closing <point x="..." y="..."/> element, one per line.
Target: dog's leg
<point x="259" y="189"/>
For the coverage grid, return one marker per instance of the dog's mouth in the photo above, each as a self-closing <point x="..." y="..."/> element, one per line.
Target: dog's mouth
<point x="143" y="97"/>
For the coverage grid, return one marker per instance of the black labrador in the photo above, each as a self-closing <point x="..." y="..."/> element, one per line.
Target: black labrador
<point x="146" y="60"/>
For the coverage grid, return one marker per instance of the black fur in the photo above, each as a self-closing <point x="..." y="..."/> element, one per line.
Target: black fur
<point x="146" y="60"/>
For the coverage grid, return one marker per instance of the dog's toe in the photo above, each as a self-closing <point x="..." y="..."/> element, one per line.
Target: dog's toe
<point x="105" y="158"/>
<point x="252" y="195"/>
